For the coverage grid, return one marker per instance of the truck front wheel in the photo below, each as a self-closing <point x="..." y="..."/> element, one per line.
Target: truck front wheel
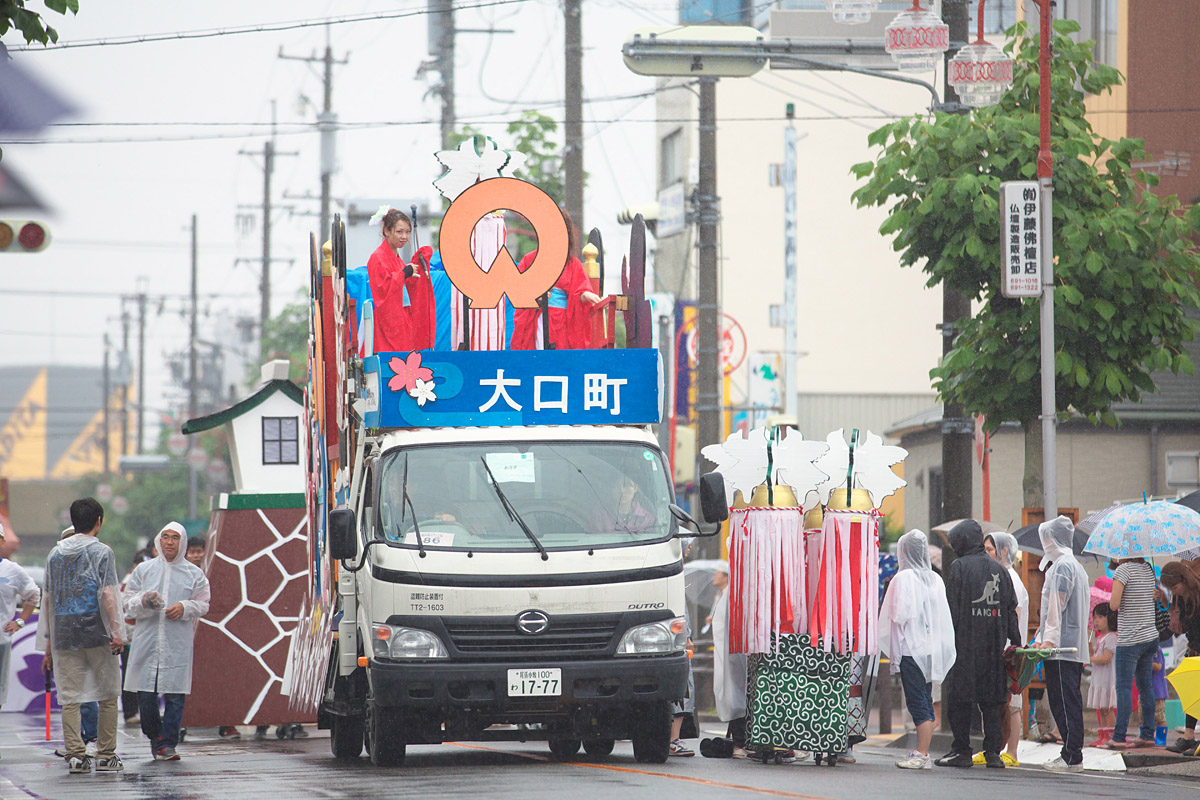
<point x="384" y="737"/>
<point x="345" y="736"/>
<point x="564" y="749"/>
<point x="651" y="727"/>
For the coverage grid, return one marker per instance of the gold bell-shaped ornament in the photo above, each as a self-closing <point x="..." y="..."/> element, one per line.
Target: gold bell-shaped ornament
<point x="779" y="496"/>
<point x="860" y="500"/>
<point x="814" y="518"/>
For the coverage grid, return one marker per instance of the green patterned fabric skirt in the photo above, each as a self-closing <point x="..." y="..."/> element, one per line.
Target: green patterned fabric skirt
<point x="798" y="698"/>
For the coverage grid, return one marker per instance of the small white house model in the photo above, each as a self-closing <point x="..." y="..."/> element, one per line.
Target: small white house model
<point x="265" y="432"/>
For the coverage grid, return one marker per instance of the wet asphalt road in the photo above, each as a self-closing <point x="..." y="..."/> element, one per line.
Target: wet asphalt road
<point x="304" y="768"/>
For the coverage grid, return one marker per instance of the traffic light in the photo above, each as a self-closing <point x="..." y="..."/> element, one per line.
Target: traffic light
<point x="23" y="236"/>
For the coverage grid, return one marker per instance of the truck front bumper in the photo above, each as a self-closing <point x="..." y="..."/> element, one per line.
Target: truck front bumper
<point x="484" y="686"/>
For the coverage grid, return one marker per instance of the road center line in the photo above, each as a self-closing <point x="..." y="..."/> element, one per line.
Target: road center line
<point x="669" y="776"/>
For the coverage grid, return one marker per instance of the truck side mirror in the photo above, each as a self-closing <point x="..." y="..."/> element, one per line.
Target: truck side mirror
<point x="713" y="504"/>
<point x="342" y="530"/>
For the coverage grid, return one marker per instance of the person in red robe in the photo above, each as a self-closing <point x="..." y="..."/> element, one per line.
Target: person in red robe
<point x="405" y="318"/>
<point x="569" y="303"/>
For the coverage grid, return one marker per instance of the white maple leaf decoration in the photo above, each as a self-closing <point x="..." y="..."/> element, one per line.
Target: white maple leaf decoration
<point x="468" y="164"/>
<point x="742" y="461"/>
<point x="794" y="457"/>
<point x="872" y="466"/>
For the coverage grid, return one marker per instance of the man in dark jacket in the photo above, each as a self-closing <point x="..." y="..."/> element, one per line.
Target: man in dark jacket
<point x="983" y="606"/>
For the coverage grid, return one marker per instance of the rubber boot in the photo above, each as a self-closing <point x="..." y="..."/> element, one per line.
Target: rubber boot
<point x="1103" y="735"/>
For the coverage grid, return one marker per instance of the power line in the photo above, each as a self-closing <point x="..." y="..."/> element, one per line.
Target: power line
<point x="70" y="293"/>
<point x="237" y="31"/>
<point x="482" y="119"/>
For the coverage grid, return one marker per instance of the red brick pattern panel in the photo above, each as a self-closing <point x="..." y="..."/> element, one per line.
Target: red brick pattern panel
<point x="257" y="567"/>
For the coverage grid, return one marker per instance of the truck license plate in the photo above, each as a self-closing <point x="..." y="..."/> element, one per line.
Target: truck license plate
<point x="534" y="682"/>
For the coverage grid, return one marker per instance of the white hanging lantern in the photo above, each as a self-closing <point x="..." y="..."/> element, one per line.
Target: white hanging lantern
<point x="981" y="73"/>
<point x="851" y="12"/>
<point x="916" y="39"/>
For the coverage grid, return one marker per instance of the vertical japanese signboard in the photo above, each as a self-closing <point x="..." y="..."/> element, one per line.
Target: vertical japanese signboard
<point x="1021" y="233"/>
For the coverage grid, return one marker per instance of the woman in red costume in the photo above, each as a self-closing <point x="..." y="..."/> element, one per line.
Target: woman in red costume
<point x="405" y="318"/>
<point x="570" y="302"/>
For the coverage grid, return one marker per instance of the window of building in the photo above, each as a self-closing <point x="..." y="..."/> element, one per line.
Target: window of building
<point x="1183" y="469"/>
<point x="999" y="16"/>
<point x="281" y="440"/>
<point x="670" y="158"/>
<point x="1097" y="22"/>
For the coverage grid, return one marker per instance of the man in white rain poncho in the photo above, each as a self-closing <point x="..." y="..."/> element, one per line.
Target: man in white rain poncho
<point x="1064" y="624"/>
<point x="917" y="634"/>
<point x="15" y="584"/>
<point x="1003" y="547"/>
<point x="82" y="629"/>
<point x="164" y="596"/>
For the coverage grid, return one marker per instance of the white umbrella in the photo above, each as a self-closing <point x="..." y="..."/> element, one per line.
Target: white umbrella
<point x="1142" y="530"/>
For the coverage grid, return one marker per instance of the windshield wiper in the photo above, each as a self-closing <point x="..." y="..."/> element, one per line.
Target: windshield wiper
<point x="406" y="499"/>
<point x="512" y="512"/>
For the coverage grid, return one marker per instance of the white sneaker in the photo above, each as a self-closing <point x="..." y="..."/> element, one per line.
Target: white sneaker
<point x="1058" y="765"/>
<point x="915" y="761"/>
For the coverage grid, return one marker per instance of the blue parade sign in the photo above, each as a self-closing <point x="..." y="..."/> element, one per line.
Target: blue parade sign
<point x="430" y="389"/>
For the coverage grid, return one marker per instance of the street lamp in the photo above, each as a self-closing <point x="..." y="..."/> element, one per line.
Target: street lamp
<point x="916" y="39"/>
<point x="980" y="72"/>
<point x="851" y="12"/>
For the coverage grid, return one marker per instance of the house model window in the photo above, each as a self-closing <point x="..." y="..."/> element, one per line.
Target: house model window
<point x="281" y="440"/>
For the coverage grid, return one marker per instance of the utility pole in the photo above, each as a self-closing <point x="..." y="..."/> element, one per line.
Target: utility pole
<point x="141" y="391"/>
<point x="573" y="111"/>
<point x="442" y="20"/>
<point x="125" y="382"/>
<point x="268" y="156"/>
<point x="193" y="475"/>
<point x="958" y="432"/>
<point x="327" y="125"/>
<point x="792" y="398"/>
<point x="106" y="391"/>
<point x="709" y="403"/>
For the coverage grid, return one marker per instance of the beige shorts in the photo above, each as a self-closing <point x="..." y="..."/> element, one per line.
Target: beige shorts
<point x="1014" y="701"/>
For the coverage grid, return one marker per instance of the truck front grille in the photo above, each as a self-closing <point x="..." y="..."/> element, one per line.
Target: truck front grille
<point x="565" y="637"/>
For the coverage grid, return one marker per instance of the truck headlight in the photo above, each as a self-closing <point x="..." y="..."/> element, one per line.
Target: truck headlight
<point x="394" y="641"/>
<point x="654" y="638"/>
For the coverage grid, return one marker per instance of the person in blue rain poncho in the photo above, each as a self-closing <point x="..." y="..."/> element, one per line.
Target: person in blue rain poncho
<point x="81" y="630"/>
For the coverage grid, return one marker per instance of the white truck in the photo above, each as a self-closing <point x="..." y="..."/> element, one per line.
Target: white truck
<point x="519" y="581"/>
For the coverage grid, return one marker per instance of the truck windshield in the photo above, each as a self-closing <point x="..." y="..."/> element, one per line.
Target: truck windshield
<point x="571" y="495"/>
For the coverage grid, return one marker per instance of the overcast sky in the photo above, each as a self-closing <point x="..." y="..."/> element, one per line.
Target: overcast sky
<point x="122" y="202"/>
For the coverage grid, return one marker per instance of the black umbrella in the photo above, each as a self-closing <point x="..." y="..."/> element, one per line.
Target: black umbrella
<point x="1192" y="501"/>
<point x="1029" y="542"/>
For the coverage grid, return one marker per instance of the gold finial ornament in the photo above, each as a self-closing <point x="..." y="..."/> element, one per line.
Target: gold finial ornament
<point x="590" y="264"/>
<point x="738" y="500"/>
<point x="784" y="497"/>
<point x="860" y="500"/>
<point x="814" y="518"/>
<point x="327" y="259"/>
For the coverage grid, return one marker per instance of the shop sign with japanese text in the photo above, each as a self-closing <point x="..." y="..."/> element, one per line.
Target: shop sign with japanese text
<point x="1021" y="234"/>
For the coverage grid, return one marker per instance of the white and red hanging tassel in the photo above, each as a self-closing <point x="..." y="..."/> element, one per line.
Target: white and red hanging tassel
<point x="767" y="576"/>
<point x="845" y="602"/>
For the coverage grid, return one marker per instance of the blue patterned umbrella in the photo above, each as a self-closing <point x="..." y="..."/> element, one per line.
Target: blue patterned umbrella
<point x="1145" y="529"/>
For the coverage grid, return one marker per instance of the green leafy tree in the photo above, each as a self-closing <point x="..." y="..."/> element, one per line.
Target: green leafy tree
<point x="286" y="336"/>
<point x="533" y="134"/>
<point x="1126" y="263"/>
<point x="31" y="24"/>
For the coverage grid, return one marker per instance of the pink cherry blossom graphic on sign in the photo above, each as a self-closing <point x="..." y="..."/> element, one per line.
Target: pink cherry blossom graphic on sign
<point x="408" y="372"/>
